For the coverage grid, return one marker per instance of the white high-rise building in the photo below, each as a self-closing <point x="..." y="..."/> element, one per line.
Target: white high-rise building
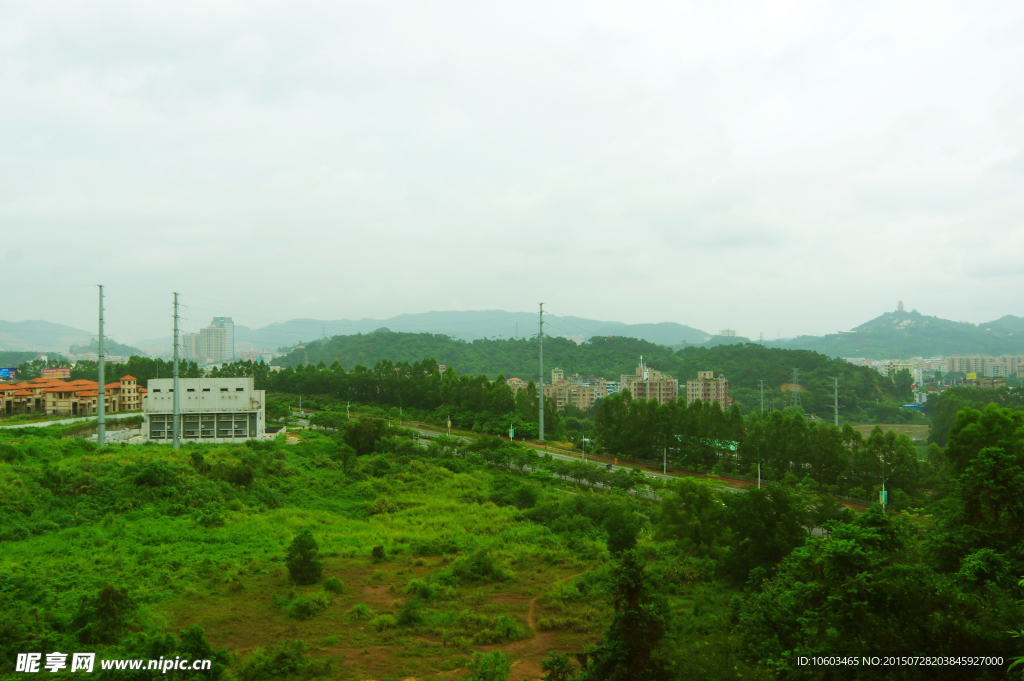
<point x="229" y="337"/>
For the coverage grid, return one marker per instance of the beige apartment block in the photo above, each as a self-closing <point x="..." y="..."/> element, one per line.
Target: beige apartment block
<point x="708" y="389"/>
<point x="650" y="384"/>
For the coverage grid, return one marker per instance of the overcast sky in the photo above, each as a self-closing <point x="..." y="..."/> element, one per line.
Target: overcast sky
<point x="776" y="167"/>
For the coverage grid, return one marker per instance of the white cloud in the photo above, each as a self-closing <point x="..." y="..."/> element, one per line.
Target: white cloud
<point x="728" y="164"/>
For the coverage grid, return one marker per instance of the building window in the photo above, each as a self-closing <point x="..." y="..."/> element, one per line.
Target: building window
<point x="206" y="390"/>
<point x="191" y="390"/>
<point x="238" y="390"/>
<point x="223" y="390"/>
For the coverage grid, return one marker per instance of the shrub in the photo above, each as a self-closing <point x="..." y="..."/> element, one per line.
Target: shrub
<point x="288" y="661"/>
<point x="377" y="554"/>
<point x="492" y="666"/>
<point x="502" y="629"/>
<point x="557" y="667"/>
<point x="421" y="589"/>
<point x="334" y="585"/>
<point x="308" y="607"/>
<point x="302" y="559"/>
<point x="360" y="613"/>
<point x="410" y="615"/>
<point x="384" y="622"/>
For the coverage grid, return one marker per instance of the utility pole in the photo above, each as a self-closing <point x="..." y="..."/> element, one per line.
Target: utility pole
<point x="762" y="395"/>
<point x="176" y="417"/>
<point x="101" y="406"/>
<point x="836" y="379"/>
<point x="759" y="466"/>
<point x="541" y="386"/>
<point x="664" y="462"/>
<point x="796" y="388"/>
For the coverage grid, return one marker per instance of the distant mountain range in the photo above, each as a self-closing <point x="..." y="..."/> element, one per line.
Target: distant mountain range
<point x="903" y="334"/>
<point x="37" y="335"/>
<point x="891" y="335"/>
<point x="468" y="326"/>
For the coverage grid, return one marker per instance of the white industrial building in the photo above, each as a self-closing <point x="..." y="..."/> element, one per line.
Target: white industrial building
<point x="212" y="410"/>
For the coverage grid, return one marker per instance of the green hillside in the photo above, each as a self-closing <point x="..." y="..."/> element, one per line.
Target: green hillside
<point x="483" y="559"/>
<point x="864" y="393"/>
<point x="911" y="334"/>
<point x="110" y="347"/>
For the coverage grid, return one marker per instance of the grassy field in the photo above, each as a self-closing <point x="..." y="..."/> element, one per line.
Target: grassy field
<point x="915" y="431"/>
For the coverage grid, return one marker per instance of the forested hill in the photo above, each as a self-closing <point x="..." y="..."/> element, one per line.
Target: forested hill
<point x="910" y="334"/>
<point x="604" y="356"/>
<point x="743" y="364"/>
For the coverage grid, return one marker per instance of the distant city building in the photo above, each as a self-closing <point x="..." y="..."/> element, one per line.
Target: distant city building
<point x="190" y="346"/>
<point x="899" y="306"/>
<point x="212" y="410"/>
<point x="516" y="384"/>
<point x="650" y="384"/>
<point x="229" y="337"/>
<point x="914" y="368"/>
<point x="986" y="365"/>
<point x="727" y="333"/>
<point x="213" y="344"/>
<point x="576" y="390"/>
<point x="708" y="389"/>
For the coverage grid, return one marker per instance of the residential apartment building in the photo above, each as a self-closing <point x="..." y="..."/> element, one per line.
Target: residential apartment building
<point x="516" y="384"/>
<point x="650" y="384"/>
<point x="211" y="410"/>
<point x="708" y="389"/>
<point x="914" y="368"/>
<point x="986" y="365"/>
<point x="213" y="344"/>
<point x="72" y="398"/>
<point x="226" y="323"/>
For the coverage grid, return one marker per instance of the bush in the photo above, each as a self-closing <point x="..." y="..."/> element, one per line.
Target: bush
<point x="557" y="667"/>
<point x="492" y="666"/>
<point x="360" y="613"/>
<point x="377" y="554"/>
<point x="334" y="585"/>
<point x="308" y="607"/>
<point x="302" y="559"/>
<point x="502" y="629"/>
<point x="410" y="615"/>
<point x="384" y="623"/>
<point x="285" y="662"/>
<point x="421" y="589"/>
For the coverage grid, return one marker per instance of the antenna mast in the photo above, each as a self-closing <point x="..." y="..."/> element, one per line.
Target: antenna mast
<point x="101" y="406"/>
<point x="541" y="386"/>
<point x="796" y="388"/>
<point x="176" y="416"/>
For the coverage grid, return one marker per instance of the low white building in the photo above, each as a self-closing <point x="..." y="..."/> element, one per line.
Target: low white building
<point x="212" y="410"/>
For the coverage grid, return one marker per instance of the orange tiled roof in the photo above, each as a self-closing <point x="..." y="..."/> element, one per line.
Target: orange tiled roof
<point x="143" y="390"/>
<point x="88" y="393"/>
<point x="112" y="385"/>
<point x="21" y="393"/>
<point x="128" y="377"/>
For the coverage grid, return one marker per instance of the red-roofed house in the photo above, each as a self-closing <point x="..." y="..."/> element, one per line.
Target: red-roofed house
<point x="82" y="397"/>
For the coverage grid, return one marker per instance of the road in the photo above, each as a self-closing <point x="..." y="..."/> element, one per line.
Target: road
<point x="567" y="457"/>
<point x="63" y="422"/>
